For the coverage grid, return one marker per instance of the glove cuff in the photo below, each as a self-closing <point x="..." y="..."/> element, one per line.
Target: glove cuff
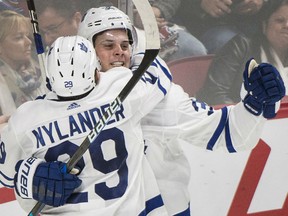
<point x="24" y="177"/>
<point x="251" y="104"/>
<point x="270" y="110"/>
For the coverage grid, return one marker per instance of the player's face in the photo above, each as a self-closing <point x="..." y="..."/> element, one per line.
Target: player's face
<point x="15" y="49"/>
<point x="113" y="49"/>
<point x="53" y="25"/>
<point x="276" y="29"/>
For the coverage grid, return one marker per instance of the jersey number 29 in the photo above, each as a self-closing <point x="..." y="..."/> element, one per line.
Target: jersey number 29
<point x="99" y="162"/>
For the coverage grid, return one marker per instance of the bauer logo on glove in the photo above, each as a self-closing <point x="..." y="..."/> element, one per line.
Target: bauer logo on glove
<point x="264" y="89"/>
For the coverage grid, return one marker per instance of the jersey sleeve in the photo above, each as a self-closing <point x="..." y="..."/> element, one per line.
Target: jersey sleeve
<point x="231" y="128"/>
<point x="9" y="156"/>
<point x="155" y="83"/>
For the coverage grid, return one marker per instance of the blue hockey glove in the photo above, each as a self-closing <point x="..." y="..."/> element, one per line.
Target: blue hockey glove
<point x="270" y="110"/>
<point x="47" y="182"/>
<point x="52" y="184"/>
<point x="264" y="87"/>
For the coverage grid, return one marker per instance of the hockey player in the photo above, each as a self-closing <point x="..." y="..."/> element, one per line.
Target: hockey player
<point x="113" y="177"/>
<point x="177" y="117"/>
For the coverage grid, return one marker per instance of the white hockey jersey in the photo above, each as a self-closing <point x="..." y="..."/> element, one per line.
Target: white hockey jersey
<point x="178" y="118"/>
<point x="116" y="178"/>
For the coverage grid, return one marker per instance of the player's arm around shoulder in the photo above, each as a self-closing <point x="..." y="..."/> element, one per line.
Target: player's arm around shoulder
<point x="11" y="152"/>
<point x="157" y="81"/>
<point x="15" y="145"/>
<point x="158" y="71"/>
<point x="158" y="68"/>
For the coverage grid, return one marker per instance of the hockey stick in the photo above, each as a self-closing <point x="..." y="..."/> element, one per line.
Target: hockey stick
<point x="152" y="50"/>
<point x="37" y="37"/>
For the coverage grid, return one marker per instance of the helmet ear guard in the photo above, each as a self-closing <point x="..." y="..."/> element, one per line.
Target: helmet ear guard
<point x="71" y="65"/>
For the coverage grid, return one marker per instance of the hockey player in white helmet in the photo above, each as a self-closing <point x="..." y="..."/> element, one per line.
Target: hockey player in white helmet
<point x="113" y="176"/>
<point x="178" y="117"/>
<point x="98" y="20"/>
<point x="95" y="23"/>
<point x="67" y="77"/>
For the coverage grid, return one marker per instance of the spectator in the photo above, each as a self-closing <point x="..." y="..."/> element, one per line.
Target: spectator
<point x="56" y="18"/>
<point x="20" y="76"/>
<point x="176" y="41"/>
<point x="10" y="5"/>
<point x="270" y="44"/>
<point x="61" y="18"/>
<point x="215" y="22"/>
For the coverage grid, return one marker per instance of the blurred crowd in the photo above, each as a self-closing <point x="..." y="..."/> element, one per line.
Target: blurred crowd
<point x="232" y="30"/>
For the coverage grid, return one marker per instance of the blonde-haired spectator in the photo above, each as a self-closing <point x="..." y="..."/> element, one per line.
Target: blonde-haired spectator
<point x="20" y="77"/>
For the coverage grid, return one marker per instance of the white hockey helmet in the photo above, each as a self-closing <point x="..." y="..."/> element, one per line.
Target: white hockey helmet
<point x="71" y="63"/>
<point x="97" y="20"/>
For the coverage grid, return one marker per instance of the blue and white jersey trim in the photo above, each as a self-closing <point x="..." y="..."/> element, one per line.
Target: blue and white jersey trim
<point x="152" y="204"/>
<point x="164" y="69"/>
<point x="219" y="129"/>
<point x="228" y="139"/>
<point x="9" y="183"/>
<point x="223" y="124"/>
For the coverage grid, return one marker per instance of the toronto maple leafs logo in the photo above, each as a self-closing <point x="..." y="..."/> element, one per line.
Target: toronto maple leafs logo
<point x="83" y="47"/>
<point x="2" y="153"/>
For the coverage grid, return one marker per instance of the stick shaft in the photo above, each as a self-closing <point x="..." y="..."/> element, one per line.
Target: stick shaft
<point x="37" y="38"/>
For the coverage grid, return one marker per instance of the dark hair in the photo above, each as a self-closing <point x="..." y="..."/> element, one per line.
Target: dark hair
<point x="65" y="8"/>
<point x="268" y="9"/>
